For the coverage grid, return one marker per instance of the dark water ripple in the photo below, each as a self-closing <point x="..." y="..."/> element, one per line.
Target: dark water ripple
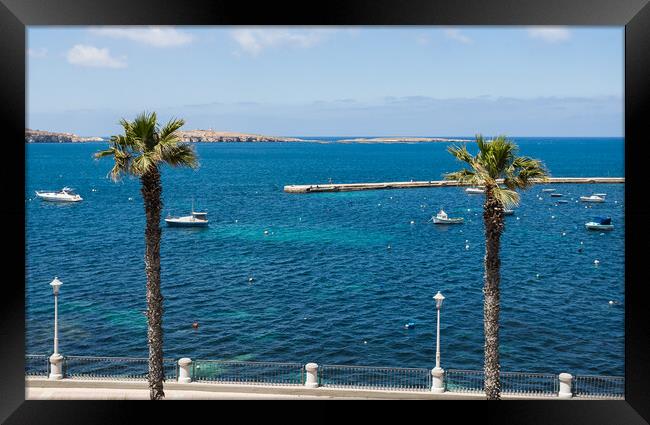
<point x="326" y="287"/>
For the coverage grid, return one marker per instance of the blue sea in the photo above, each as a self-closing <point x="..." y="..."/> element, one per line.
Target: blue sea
<point x="326" y="288"/>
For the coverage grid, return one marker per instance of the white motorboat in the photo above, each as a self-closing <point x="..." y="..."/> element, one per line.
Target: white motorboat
<point x="548" y="190"/>
<point x="556" y="195"/>
<point x="442" y="218"/>
<point x="64" y="195"/>
<point x="508" y="212"/>
<point x="600" y="224"/>
<point x="474" y="190"/>
<point x="592" y="198"/>
<point x="195" y="219"/>
<point x="602" y="195"/>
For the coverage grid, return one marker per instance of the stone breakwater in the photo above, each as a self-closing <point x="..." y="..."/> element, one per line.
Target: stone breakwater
<point x="40" y="136"/>
<point x="351" y="187"/>
<point x="401" y="140"/>
<point x="211" y="136"/>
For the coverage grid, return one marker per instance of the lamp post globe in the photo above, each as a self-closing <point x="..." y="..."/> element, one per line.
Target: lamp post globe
<point x="439" y="299"/>
<point x="55" y="284"/>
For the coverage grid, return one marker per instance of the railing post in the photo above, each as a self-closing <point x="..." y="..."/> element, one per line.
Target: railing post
<point x="437" y="380"/>
<point x="311" y="379"/>
<point x="565" y="385"/>
<point x="56" y="366"/>
<point x="184" y="375"/>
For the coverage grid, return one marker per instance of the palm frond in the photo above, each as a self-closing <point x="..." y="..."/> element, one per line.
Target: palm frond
<point x="177" y="155"/>
<point x="508" y="198"/>
<point x="168" y="132"/>
<point x="461" y="153"/>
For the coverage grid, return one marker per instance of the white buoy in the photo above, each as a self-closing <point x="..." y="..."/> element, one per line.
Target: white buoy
<point x="611" y="302"/>
<point x="250" y="279"/>
<point x="517" y="218"/>
<point x="466" y="246"/>
<point x="581" y="242"/>
<point x="412" y="222"/>
<point x="552" y="216"/>
<point x="537" y="275"/>
<point x="596" y="262"/>
<point x="266" y="232"/>
<point x="616" y="202"/>
<point x="388" y="247"/>
<point x="365" y="342"/>
<point x="130" y="199"/>
<point x="563" y="233"/>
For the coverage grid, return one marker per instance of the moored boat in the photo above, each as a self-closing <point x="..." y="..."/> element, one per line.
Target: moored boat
<point x="592" y="198"/>
<point x="64" y="195"/>
<point x="508" y="212"/>
<point x="600" y="223"/>
<point x="442" y="218"/>
<point x="196" y="219"/>
<point x="556" y="195"/>
<point x="475" y="190"/>
<point x="548" y="190"/>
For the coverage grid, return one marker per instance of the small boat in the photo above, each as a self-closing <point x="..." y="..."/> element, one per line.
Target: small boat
<point x="556" y="195"/>
<point x="592" y="198"/>
<point x="562" y="201"/>
<point x="602" y="195"/>
<point x="600" y="224"/>
<point x="474" y="190"/>
<point x="508" y="212"/>
<point x="64" y="195"/>
<point x="196" y="219"/>
<point x="548" y="190"/>
<point x="442" y="218"/>
<point x="409" y="325"/>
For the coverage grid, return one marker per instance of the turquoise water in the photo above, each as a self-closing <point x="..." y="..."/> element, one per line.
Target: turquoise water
<point x="325" y="287"/>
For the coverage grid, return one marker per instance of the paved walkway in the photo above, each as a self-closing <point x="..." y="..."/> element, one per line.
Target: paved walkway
<point x="39" y="393"/>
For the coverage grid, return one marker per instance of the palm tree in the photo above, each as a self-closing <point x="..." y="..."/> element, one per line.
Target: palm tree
<point x="140" y="152"/>
<point x="494" y="165"/>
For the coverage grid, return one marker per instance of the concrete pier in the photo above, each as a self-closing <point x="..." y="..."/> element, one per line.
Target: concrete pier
<point x="349" y="187"/>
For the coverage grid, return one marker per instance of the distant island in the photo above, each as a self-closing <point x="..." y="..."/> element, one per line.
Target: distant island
<point x="40" y="136"/>
<point x="401" y="140"/>
<point x="211" y="136"/>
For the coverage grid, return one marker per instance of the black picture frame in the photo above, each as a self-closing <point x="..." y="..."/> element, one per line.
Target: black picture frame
<point x="15" y="15"/>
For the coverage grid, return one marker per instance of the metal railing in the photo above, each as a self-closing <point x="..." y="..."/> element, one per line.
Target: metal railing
<point x="37" y="365"/>
<point x="599" y="386"/>
<point x="259" y="373"/>
<point x="329" y="376"/>
<point x="513" y="383"/>
<point x="376" y="378"/>
<point x="128" y="368"/>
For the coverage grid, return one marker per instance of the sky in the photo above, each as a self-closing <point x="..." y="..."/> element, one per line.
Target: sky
<point x="331" y="81"/>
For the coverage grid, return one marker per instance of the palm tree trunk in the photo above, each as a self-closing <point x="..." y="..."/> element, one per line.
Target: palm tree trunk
<point x="151" y="193"/>
<point x="494" y="225"/>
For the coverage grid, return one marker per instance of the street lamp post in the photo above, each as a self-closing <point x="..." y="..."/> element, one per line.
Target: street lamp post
<point x="438" y="374"/>
<point x="56" y="359"/>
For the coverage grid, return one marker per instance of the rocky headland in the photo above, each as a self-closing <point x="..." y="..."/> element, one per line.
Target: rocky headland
<point x="40" y="136"/>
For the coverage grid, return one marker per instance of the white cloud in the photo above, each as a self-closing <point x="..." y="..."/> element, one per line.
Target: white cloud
<point x="454" y="34"/>
<point x="253" y="41"/>
<point x="84" y="55"/>
<point x="38" y="53"/>
<point x="550" y="34"/>
<point x="152" y="36"/>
